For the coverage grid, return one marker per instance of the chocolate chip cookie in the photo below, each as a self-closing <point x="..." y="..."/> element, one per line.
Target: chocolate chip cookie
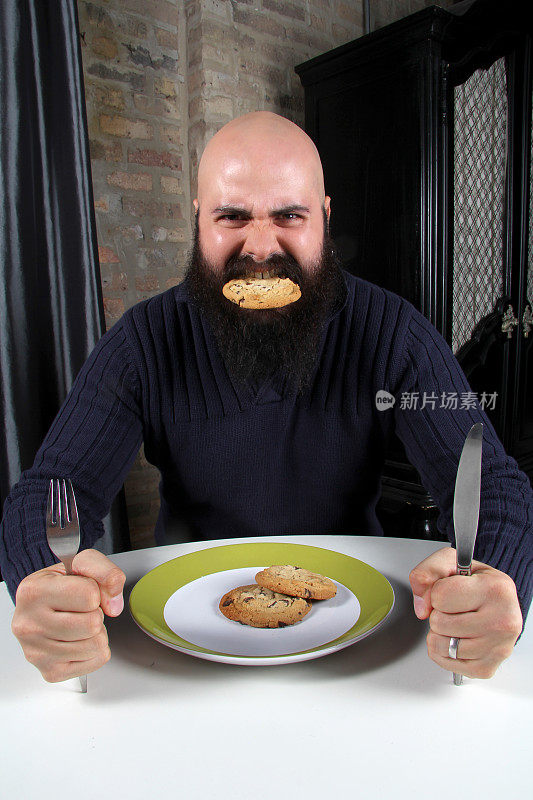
<point x="261" y="608"/>
<point x="297" y="582"/>
<point x="261" y="292"/>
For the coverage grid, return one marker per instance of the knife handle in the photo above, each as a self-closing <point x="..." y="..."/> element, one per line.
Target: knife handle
<point x="464" y="570"/>
<point x="457" y="677"/>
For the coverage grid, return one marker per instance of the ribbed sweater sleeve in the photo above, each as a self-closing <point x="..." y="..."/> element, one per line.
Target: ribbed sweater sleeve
<point x="93" y="440"/>
<point x="505" y="530"/>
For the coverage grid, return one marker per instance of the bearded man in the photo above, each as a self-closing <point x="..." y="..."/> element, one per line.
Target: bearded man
<point x="263" y="420"/>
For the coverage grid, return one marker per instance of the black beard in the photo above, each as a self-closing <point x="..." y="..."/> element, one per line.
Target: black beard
<point x="256" y="343"/>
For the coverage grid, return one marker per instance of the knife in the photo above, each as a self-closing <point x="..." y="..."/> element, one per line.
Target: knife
<point x="466" y="505"/>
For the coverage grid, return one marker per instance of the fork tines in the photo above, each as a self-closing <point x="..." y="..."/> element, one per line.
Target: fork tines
<point x="61" y="504"/>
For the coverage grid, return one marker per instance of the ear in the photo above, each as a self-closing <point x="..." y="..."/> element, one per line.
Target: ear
<point x="327" y="206"/>
<point x="196" y="205"/>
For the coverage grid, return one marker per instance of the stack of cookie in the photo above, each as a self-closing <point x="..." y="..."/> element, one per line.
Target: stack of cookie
<point x="281" y="596"/>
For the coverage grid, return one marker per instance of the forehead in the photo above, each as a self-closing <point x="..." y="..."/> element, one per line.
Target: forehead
<point x="262" y="183"/>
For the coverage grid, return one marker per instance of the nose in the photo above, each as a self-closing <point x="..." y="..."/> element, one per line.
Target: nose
<point x="261" y="241"/>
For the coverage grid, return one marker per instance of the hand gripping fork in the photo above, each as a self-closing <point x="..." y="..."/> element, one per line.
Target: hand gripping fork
<point x="63" y="529"/>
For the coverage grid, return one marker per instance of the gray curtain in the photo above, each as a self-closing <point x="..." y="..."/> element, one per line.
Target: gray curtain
<point x="51" y="313"/>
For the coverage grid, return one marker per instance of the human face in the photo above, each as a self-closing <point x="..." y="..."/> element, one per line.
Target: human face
<point x="256" y="343"/>
<point x="261" y="207"/>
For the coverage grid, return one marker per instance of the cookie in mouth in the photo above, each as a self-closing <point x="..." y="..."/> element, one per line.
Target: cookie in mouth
<point x="262" y="290"/>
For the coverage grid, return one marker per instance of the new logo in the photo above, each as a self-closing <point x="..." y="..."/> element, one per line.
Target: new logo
<point x="384" y="400"/>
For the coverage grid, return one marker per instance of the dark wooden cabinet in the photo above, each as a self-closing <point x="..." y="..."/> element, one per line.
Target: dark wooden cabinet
<point x="424" y="130"/>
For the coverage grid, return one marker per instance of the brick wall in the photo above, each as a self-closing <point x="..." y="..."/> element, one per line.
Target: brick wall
<point x="161" y="77"/>
<point x="242" y="59"/>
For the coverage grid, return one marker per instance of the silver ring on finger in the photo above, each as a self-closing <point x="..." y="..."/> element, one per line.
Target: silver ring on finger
<point x="452" y="648"/>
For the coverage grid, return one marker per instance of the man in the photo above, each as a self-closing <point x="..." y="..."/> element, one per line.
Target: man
<point x="264" y="421"/>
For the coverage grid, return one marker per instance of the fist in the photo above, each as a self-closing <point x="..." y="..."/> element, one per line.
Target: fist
<point x="482" y="610"/>
<point x="59" y="618"/>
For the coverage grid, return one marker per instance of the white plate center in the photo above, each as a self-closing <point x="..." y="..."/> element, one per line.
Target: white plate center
<point x="192" y="612"/>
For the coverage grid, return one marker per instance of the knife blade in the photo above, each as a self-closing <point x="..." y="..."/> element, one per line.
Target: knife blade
<point x="466" y="504"/>
<point x="466" y="498"/>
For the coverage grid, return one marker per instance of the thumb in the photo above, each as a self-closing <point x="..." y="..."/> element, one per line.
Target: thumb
<point x="109" y="577"/>
<point x="439" y="565"/>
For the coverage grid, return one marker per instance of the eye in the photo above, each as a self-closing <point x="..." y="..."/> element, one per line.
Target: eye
<point x="233" y="219"/>
<point x="290" y="218"/>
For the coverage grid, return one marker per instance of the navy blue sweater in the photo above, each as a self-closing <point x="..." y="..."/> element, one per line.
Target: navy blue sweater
<point x="255" y="461"/>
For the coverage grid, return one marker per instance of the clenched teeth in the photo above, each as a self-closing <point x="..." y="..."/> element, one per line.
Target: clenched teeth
<point x="265" y="273"/>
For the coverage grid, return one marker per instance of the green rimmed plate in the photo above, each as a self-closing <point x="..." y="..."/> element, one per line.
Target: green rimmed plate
<point x="177" y="604"/>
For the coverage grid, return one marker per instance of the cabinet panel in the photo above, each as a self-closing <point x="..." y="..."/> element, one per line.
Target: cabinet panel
<point x="524" y="417"/>
<point x="372" y="166"/>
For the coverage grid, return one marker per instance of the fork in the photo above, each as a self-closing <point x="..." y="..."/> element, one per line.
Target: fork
<point x="63" y="529"/>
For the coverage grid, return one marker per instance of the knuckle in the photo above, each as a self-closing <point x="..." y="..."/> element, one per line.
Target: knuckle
<point x="435" y="620"/>
<point x="116" y="579"/>
<point x="511" y="624"/>
<point x="507" y="582"/>
<point x="95" y="622"/>
<point x="438" y="593"/>
<point x="485" y="671"/>
<point x="420" y="575"/>
<point x="102" y="642"/>
<point x="434" y="597"/>
<point x="501" y="587"/>
<point x="18" y="626"/>
<point x="496" y="591"/>
<point x="101" y="657"/>
<point x="53" y="674"/>
<point x="27" y="591"/>
<point x="501" y="652"/>
<point x="91" y="594"/>
<point x="22" y="627"/>
<point x="32" y="656"/>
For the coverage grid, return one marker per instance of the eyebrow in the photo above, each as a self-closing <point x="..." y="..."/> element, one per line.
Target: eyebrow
<point x="244" y="212"/>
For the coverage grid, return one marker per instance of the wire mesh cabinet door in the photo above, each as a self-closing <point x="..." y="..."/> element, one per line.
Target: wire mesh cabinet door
<point x="489" y="275"/>
<point x="481" y="315"/>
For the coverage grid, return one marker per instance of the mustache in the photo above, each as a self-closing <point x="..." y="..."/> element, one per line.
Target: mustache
<point x="279" y="266"/>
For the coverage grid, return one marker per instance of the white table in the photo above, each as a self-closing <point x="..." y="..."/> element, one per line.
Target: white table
<point x="377" y="719"/>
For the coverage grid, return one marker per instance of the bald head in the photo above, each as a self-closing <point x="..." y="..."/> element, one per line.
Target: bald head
<point x="261" y="192"/>
<point x="261" y="142"/>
